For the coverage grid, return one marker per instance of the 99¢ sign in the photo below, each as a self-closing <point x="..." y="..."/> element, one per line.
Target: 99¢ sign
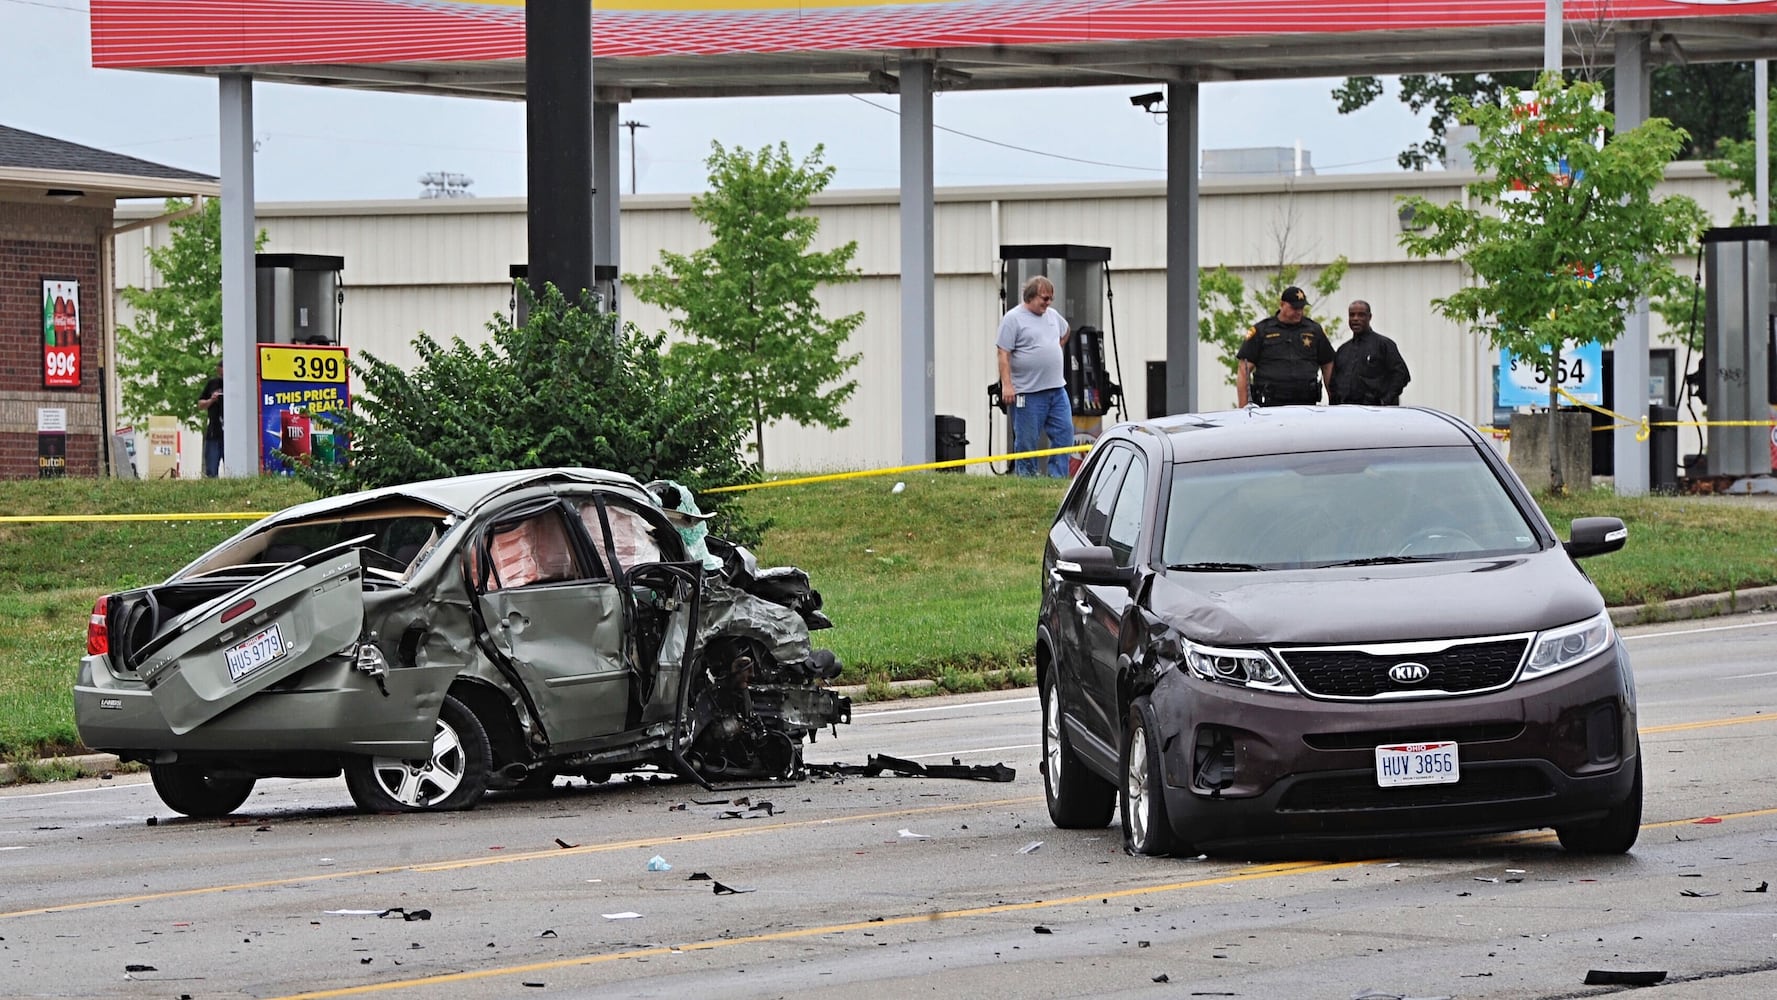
<point x="1578" y="370"/>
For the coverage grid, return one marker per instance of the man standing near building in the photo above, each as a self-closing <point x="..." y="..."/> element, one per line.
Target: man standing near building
<point x="1032" y="383"/>
<point x="209" y="400"/>
<point x="1285" y="357"/>
<point x="1367" y="369"/>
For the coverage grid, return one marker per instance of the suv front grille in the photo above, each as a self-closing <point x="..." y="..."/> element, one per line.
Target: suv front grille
<point x="1465" y="667"/>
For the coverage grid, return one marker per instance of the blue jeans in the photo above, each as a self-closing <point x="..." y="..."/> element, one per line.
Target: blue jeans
<point x="1045" y="411"/>
<point x="212" y="456"/>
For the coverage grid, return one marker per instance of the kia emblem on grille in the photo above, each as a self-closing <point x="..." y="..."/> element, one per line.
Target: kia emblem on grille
<point x="1408" y="673"/>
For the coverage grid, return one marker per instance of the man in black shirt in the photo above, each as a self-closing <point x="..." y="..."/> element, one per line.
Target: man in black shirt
<point x="210" y="401"/>
<point x="1367" y="369"/>
<point x="1285" y="357"/>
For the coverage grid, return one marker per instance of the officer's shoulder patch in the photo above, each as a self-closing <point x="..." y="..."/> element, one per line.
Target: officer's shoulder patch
<point x="1251" y="331"/>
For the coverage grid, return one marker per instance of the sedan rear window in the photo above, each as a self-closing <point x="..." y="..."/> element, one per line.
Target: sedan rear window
<point x="1341" y="508"/>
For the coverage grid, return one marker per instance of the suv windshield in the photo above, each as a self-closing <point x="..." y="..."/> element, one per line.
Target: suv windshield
<point x="1368" y="507"/>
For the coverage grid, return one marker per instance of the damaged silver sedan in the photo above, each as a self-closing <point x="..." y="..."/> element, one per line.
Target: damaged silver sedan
<point x="435" y="640"/>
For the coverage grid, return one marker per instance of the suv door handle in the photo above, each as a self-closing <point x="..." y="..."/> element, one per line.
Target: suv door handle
<point x="1083" y="608"/>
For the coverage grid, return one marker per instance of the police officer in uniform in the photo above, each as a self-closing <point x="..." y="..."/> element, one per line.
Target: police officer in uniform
<point x="1286" y="357"/>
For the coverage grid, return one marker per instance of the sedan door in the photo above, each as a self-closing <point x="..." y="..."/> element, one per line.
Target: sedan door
<point x="553" y="612"/>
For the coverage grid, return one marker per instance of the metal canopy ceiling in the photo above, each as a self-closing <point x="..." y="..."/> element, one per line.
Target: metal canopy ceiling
<point x="1076" y="64"/>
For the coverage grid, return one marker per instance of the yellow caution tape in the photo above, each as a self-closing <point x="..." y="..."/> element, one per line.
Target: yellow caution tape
<point x="954" y="463"/>
<point x="1644" y="426"/>
<point x="230" y="516"/>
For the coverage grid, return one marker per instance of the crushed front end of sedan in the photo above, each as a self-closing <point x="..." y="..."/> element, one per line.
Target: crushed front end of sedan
<point x="433" y="640"/>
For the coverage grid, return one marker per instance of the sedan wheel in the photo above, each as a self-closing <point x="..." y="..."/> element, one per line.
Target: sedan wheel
<point x="194" y="791"/>
<point x="1078" y="798"/>
<point x="452" y="778"/>
<point x="1146" y="828"/>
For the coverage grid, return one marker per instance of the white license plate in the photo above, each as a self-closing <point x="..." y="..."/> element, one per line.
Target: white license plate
<point x="1417" y="764"/>
<point x="258" y="649"/>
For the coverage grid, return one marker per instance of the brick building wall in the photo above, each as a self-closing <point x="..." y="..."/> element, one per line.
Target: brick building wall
<point x="40" y="241"/>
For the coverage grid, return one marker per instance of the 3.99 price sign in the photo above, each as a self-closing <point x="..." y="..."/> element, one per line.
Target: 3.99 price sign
<point x="1578" y="370"/>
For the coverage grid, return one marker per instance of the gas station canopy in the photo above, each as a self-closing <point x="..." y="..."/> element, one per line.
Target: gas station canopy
<point x="732" y="48"/>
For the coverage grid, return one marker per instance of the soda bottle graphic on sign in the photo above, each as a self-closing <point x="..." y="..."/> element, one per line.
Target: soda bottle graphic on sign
<point x="294" y="436"/>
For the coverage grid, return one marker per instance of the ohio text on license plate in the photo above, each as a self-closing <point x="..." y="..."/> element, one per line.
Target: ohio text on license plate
<point x="1417" y="764"/>
<point x="255" y="651"/>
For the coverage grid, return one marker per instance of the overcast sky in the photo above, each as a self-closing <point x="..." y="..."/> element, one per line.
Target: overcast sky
<point x="319" y="143"/>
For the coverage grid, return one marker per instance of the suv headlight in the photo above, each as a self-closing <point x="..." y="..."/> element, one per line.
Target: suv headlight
<point x="1560" y="648"/>
<point x="1241" y="667"/>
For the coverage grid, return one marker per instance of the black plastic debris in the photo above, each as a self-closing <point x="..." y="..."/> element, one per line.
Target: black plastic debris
<point x="534" y="986"/>
<point x="1040" y="929"/>
<point x="723" y="890"/>
<point x="1163" y="978"/>
<point x="396" y="911"/>
<point x="879" y="763"/>
<point x="140" y="968"/>
<point x="154" y="821"/>
<point x="1697" y="894"/>
<point x="1606" y="977"/>
<point x="564" y="845"/>
<point x="1761" y="887"/>
<point x="364" y="961"/>
<point x="698" y="877"/>
<point x="548" y="933"/>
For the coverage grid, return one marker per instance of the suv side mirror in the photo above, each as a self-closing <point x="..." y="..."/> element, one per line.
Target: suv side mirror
<point x="1093" y="565"/>
<point x="1594" y="536"/>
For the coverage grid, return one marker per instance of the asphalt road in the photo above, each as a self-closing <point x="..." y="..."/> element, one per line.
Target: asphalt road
<point x="900" y="887"/>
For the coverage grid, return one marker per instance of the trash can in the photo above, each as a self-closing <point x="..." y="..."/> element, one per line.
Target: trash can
<point x="953" y="441"/>
<point x="1662" y="449"/>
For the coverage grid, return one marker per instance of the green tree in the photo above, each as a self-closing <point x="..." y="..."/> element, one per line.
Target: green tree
<point x="746" y="304"/>
<point x="1738" y="163"/>
<point x="1708" y="101"/>
<point x="565" y="389"/>
<point x="176" y="339"/>
<point x="1531" y="232"/>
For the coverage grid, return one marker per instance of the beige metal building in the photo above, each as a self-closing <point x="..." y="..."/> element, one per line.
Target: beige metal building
<point x="441" y="266"/>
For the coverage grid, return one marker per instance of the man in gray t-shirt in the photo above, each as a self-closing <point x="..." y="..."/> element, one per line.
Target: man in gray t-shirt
<point x="1032" y="380"/>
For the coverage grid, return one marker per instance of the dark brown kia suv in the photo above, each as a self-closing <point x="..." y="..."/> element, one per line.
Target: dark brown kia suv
<point x="1305" y="624"/>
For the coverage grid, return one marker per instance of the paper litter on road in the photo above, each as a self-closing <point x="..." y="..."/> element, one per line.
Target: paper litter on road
<point x="625" y="915"/>
<point x="907" y="834"/>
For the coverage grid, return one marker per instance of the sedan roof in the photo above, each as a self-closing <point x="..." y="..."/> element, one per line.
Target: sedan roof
<point x="460" y="494"/>
<point x="1280" y="430"/>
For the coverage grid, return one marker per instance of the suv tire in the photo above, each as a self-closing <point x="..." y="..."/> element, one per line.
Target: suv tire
<point x="1616" y="832"/>
<point x="1147" y="830"/>
<point x="452" y="778"/>
<point x="1078" y="798"/>
<point x="193" y="791"/>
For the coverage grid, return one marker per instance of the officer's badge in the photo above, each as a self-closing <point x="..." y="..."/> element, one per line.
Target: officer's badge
<point x="1308" y="340"/>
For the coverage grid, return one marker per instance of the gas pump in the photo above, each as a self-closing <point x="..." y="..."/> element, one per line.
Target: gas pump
<point x="1737" y="376"/>
<point x="1082" y="279"/>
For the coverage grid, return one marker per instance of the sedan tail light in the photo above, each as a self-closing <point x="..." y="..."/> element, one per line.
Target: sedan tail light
<point x="98" y="636"/>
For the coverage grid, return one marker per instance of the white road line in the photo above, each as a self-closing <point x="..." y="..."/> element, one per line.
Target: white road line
<point x="946" y="708"/>
<point x="1741" y="677"/>
<point x="1694" y="631"/>
<point x="959" y="753"/>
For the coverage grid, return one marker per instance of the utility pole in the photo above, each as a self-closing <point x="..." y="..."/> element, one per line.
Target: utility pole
<point x="632" y="125"/>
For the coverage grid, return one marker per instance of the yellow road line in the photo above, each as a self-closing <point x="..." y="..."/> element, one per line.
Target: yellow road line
<point x="1262" y="872"/>
<point x="500" y="859"/>
<point x="1679" y="727"/>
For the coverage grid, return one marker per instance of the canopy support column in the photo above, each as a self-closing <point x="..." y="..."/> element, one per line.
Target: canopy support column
<point x="1629" y="374"/>
<point x="240" y="439"/>
<point x="918" y="300"/>
<point x="1182" y="188"/>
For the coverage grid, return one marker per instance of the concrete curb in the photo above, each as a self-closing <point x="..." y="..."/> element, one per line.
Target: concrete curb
<point x="1681" y="609"/>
